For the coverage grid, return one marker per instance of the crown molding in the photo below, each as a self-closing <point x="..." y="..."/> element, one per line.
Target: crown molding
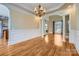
<point x="52" y="9"/>
<point x="12" y="6"/>
<point x="27" y="10"/>
<point x="59" y="11"/>
<point x="30" y="11"/>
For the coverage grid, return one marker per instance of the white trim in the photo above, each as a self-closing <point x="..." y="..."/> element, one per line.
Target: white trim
<point x="56" y="7"/>
<point x="63" y="28"/>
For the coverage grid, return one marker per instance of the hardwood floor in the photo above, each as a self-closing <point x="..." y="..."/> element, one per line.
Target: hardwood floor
<point x="41" y="47"/>
<point x="3" y="48"/>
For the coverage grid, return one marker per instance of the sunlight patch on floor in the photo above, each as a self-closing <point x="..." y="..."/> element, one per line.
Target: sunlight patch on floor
<point x="58" y="40"/>
<point x="46" y="39"/>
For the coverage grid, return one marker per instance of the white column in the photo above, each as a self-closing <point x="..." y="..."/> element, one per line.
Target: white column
<point x="64" y="28"/>
<point x="41" y="27"/>
<point x="42" y="30"/>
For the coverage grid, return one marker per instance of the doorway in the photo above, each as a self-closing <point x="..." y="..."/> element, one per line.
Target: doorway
<point x="67" y="25"/>
<point x="4" y="28"/>
<point x="58" y="27"/>
<point x="4" y="24"/>
<point x="0" y="29"/>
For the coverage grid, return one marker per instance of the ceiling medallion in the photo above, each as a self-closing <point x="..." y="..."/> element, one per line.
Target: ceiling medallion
<point x="39" y="11"/>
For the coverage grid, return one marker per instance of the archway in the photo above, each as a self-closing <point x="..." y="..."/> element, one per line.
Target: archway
<point x="4" y="23"/>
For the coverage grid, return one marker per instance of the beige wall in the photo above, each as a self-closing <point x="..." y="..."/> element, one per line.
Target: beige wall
<point x="55" y="17"/>
<point x="76" y="24"/>
<point x="21" y="20"/>
<point x="77" y="5"/>
<point x="24" y="26"/>
<point x="72" y="13"/>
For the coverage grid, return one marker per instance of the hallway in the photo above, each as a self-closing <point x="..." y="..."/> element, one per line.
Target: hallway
<point x="39" y="47"/>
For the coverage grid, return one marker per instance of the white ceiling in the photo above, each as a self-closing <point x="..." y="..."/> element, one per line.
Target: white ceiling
<point x="31" y="6"/>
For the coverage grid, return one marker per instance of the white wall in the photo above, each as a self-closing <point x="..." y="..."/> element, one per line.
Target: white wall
<point x="23" y="35"/>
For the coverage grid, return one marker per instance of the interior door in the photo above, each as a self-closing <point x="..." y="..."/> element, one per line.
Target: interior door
<point x="0" y="29"/>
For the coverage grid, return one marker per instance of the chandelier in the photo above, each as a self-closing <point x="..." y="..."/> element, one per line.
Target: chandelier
<point x="39" y="11"/>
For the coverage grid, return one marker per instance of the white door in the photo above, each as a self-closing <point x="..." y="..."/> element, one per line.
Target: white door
<point x="0" y="29"/>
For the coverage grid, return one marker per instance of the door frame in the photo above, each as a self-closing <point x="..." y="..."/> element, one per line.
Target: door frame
<point x="64" y="36"/>
<point x="1" y="29"/>
<point x="61" y="27"/>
